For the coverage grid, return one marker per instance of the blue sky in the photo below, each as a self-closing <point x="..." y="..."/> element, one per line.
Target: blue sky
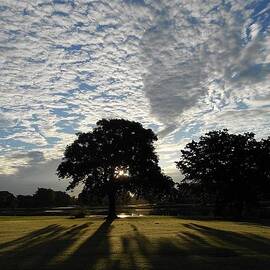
<point x="181" y="67"/>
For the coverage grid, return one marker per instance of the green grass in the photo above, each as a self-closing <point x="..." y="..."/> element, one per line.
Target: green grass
<point x="132" y="243"/>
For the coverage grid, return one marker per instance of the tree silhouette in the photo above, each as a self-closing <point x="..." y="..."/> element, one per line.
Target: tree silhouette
<point x="44" y="197"/>
<point x="231" y="169"/>
<point x="7" y="199"/>
<point x="117" y="155"/>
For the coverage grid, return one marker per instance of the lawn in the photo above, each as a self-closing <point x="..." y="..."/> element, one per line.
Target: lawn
<point x="132" y="243"/>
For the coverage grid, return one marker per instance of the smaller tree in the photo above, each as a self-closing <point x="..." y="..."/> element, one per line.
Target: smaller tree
<point x="228" y="168"/>
<point x="7" y="200"/>
<point x="44" y="197"/>
<point x="263" y="159"/>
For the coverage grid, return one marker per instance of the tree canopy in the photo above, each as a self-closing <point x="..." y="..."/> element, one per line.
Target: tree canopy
<point x="7" y="199"/>
<point x="116" y="155"/>
<point x="231" y="169"/>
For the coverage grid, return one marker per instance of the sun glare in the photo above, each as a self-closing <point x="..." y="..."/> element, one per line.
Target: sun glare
<point x="121" y="172"/>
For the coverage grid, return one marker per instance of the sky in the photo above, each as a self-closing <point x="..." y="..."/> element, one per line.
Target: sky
<point x="180" y="67"/>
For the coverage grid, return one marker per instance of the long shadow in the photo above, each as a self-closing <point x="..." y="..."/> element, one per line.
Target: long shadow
<point x="251" y="243"/>
<point x="144" y="252"/>
<point x="197" y="248"/>
<point x="51" y="229"/>
<point x="94" y="252"/>
<point x="37" y="249"/>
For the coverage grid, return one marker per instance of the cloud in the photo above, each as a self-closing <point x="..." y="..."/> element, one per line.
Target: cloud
<point x="203" y="57"/>
<point x="178" y="67"/>
<point x="64" y="66"/>
<point x="11" y="162"/>
<point x="172" y="81"/>
<point x="28" y="179"/>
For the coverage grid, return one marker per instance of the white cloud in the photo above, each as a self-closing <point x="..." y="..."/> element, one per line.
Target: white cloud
<point x="27" y="179"/>
<point x="178" y="66"/>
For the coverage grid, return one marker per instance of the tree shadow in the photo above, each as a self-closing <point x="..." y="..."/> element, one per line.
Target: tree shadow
<point x="51" y="229"/>
<point x="244" y="242"/>
<point x="200" y="247"/>
<point x="95" y="252"/>
<point x="195" y="246"/>
<point x="37" y="249"/>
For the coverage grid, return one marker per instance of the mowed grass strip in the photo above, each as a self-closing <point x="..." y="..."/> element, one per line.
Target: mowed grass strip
<point x="132" y="243"/>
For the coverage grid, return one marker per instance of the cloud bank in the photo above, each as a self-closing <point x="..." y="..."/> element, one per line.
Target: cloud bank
<point x="179" y="67"/>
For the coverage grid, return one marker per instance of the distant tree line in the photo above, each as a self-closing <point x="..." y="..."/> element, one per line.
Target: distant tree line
<point x="41" y="198"/>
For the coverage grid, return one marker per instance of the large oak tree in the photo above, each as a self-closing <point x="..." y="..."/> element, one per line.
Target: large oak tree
<point x="116" y="155"/>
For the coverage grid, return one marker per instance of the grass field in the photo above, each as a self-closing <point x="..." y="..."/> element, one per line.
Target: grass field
<point x="132" y="243"/>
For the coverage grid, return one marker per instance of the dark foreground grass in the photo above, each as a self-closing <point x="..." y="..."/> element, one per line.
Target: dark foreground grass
<point x="132" y="243"/>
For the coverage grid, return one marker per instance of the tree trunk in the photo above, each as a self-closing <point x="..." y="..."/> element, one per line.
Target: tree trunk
<point x="112" y="210"/>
